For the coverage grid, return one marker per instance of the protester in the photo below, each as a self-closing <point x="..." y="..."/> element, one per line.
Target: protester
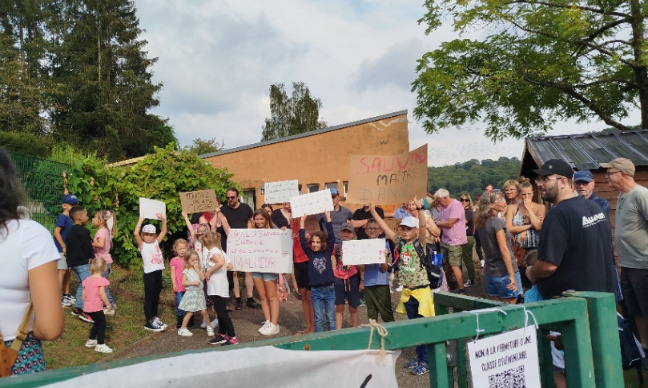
<point x="79" y="253"/>
<point x="281" y="217"/>
<point x="453" y="236"/>
<point x="511" y="190"/>
<point x="177" y="265"/>
<point x="193" y="299"/>
<point x="94" y="299"/>
<point x="61" y="229"/>
<point x="348" y="281"/>
<point x="376" y="280"/>
<point x="360" y="218"/>
<point x="585" y="184"/>
<point x="300" y="274"/>
<point x="104" y="221"/>
<point x="339" y="215"/>
<point x="467" y="248"/>
<point x="266" y="284"/>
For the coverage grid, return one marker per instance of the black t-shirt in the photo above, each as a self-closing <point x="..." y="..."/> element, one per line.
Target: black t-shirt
<point x="470" y="226"/>
<point x="236" y="218"/>
<point x="360" y="215"/>
<point x="279" y="220"/>
<point x="576" y="237"/>
<point x="78" y="246"/>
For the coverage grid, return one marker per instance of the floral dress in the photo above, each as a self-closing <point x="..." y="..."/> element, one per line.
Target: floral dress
<point x="194" y="298"/>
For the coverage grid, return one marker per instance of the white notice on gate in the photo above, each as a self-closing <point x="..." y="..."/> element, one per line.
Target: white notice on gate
<point x="370" y="251"/>
<point x="509" y="359"/>
<point x="280" y="192"/>
<point x="260" y="250"/>
<point x="312" y="203"/>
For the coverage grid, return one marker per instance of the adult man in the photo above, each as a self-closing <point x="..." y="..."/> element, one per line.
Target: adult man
<point x="453" y="226"/>
<point x="630" y="235"/>
<point x="339" y="215"/>
<point x="238" y="215"/>
<point x="584" y="183"/>
<point x="360" y="218"/>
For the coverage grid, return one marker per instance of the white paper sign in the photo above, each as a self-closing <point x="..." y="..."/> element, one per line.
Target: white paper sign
<point x="311" y="203"/>
<point x="280" y="192"/>
<point x="370" y="251"/>
<point x="150" y="207"/>
<point x="501" y="359"/>
<point x="260" y="250"/>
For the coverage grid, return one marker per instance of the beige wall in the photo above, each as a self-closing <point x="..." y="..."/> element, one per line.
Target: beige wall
<point x="320" y="158"/>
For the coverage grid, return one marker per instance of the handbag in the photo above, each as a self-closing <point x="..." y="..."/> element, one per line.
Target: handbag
<point x="8" y="355"/>
<point x="518" y="251"/>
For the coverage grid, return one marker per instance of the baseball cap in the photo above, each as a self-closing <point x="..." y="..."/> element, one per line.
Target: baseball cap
<point x="148" y="228"/>
<point x="334" y="192"/>
<point x="70" y="199"/>
<point x="583" y="176"/>
<point x="410" y="222"/>
<point x="348" y="226"/>
<point x="556" y="166"/>
<point x="621" y="164"/>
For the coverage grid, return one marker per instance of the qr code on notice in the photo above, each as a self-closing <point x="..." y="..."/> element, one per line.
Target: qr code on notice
<point x="512" y="378"/>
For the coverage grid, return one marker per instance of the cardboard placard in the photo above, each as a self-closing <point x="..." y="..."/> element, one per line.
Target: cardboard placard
<point x="199" y="201"/>
<point x="311" y="203"/>
<point x="388" y="179"/>
<point x="311" y="224"/>
<point x="393" y="223"/>
<point x="370" y="251"/>
<point x="150" y="207"/>
<point x="260" y="250"/>
<point x="280" y="192"/>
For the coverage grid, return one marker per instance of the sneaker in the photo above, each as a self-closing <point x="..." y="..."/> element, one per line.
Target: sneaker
<point x="152" y="326"/>
<point x="469" y="283"/>
<point x="214" y="323"/>
<point x="69" y="298"/>
<point x="421" y="369"/>
<point x="65" y="303"/>
<point x="399" y="288"/>
<point x="103" y="348"/>
<point x="270" y="329"/>
<point x="230" y="341"/>
<point x="86" y="318"/>
<point x="110" y="312"/>
<point x="76" y="312"/>
<point x="91" y="343"/>
<point x="184" y="332"/>
<point x="362" y="302"/>
<point x="411" y="364"/>
<point x="263" y="326"/>
<point x="219" y="339"/>
<point x="160" y="323"/>
<point x="238" y="305"/>
<point x="210" y="331"/>
<point x="251" y="303"/>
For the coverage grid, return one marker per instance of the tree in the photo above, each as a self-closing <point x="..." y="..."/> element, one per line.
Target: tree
<point x="201" y="147"/>
<point x="291" y="115"/>
<point x="540" y="62"/>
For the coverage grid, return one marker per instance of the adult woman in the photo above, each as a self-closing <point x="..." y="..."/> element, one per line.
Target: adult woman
<point x="511" y="190"/>
<point x="267" y="207"/>
<point x="28" y="270"/>
<point x="501" y="276"/>
<point x="266" y="283"/>
<point x="466" y="249"/>
<point x="281" y="217"/>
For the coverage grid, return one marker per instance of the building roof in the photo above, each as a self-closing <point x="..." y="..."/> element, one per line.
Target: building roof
<point x="305" y="134"/>
<point x="586" y="151"/>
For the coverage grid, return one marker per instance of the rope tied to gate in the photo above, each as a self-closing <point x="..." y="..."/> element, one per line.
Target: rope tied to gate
<point x="477" y="312"/>
<point x="526" y="318"/>
<point x="382" y="332"/>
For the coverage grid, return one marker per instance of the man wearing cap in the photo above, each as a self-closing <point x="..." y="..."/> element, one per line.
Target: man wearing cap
<point x="348" y="281"/>
<point x="339" y="215"/>
<point x="453" y="225"/>
<point x="630" y="236"/>
<point x="61" y="229"/>
<point x="584" y="183"/>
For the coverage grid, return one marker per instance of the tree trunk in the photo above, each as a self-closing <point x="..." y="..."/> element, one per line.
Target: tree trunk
<point x="640" y="69"/>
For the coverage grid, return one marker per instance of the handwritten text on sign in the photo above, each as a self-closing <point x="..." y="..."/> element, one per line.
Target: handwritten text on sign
<point x="198" y="201"/>
<point x="260" y="250"/>
<point x="312" y="203"/>
<point x="371" y="251"/>
<point x="508" y="357"/>
<point x="150" y="207"/>
<point x="387" y="180"/>
<point x="279" y="192"/>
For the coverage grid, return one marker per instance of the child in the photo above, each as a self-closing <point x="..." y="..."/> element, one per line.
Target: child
<point x="348" y="281"/>
<point x="177" y="265"/>
<point x="320" y="272"/>
<point x="193" y="299"/>
<point x="416" y="299"/>
<point x="79" y="253"/>
<point x="149" y="246"/>
<point x="376" y="281"/>
<point x="104" y="221"/>
<point x="62" y="228"/>
<point x="94" y="298"/>
<point x="218" y="289"/>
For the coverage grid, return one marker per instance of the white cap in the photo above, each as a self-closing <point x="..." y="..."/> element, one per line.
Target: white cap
<point x="410" y="221"/>
<point x="148" y="229"/>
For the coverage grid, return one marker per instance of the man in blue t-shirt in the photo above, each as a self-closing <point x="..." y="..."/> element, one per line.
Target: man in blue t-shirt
<point x="61" y="229"/>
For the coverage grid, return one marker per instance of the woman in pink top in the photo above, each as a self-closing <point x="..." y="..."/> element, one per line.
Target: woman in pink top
<point x="104" y="221"/>
<point x="94" y="298"/>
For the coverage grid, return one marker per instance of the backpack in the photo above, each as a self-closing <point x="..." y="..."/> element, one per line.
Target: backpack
<point x="433" y="272"/>
<point x="631" y="350"/>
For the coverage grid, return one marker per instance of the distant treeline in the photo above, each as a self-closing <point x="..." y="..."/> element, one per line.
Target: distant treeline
<point x="472" y="176"/>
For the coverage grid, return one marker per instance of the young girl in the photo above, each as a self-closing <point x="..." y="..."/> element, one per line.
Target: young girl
<point x="177" y="265"/>
<point x="266" y="284"/>
<point x="94" y="298"/>
<point x="104" y="221"/>
<point x="193" y="299"/>
<point x="218" y="288"/>
<point x="320" y="272"/>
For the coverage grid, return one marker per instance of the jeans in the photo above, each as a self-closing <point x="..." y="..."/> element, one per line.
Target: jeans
<point x="81" y="272"/>
<point x="178" y="298"/>
<point x="108" y="294"/>
<point x="323" y="299"/>
<point x="411" y="307"/>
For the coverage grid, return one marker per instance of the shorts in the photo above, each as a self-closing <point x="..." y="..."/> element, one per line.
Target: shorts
<point x="452" y="254"/>
<point x="267" y="277"/>
<point x="347" y="289"/>
<point x="301" y="275"/>
<point x="634" y="283"/>
<point x="496" y="286"/>
<point x="62" y="263"/>
<point x="30" y="356"/>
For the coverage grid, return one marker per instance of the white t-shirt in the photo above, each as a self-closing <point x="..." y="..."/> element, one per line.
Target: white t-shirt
<point x="217" y="283"/>
<point x="27" y="245"/>
<point x="152" y="257"/>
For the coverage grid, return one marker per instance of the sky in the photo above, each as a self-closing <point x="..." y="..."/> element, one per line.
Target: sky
<point x="218" y="58"/>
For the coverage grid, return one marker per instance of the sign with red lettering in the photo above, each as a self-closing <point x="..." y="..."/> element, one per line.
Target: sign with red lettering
<point x="260" y="250"/>
<point x="388" y="179"/>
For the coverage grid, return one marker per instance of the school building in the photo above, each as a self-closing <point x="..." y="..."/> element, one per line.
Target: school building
<point x="317" y="159"/>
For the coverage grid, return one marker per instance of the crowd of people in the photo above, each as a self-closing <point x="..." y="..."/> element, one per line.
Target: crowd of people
<point x="527" y="250"/>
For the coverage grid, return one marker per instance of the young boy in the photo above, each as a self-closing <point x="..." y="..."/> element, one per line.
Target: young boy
<point x="348" y="281"/>
<point x="148" y="243"/>
<point x="376" y="280"/>
<point x="61" y="230"/>
<point x="79" y="253"/>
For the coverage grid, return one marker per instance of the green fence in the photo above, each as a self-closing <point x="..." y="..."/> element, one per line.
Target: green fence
<point x="43" y="182"/>
<point x="586" y="320"/>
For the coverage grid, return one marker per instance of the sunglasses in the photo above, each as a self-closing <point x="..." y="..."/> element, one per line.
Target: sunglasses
<point x="464" y="200"/>
<point x="230" y="197"/>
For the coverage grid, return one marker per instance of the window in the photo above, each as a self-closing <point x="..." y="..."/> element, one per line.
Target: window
<point x="313" y="188"/>
<point x="248" y="196"/>
<point x="333" y="185"/>
<point x="345" y="185"/>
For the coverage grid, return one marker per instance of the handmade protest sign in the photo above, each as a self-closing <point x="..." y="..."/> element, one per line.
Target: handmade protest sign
<point x="311" y="224"/>
<point x="509" y="359"/>
<point x="370" y="251"/>
<point x="387" y="179"/>
<point x="199" y="201"/>
<point x="150" y="207"/>
<point x="279" y="192"/>
<point x="312" y="203"/>
<point x="260" y="250"/>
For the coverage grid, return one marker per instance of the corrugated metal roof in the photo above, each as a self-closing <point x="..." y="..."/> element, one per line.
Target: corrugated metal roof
<point x="587" y="151"/>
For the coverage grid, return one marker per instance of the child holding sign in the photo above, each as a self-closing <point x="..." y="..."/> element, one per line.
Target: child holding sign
<point x="348" y="281"/>
<point x="320" y="271"/>
<point x="376" y="281"/>
<point x="266" y="283"/>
